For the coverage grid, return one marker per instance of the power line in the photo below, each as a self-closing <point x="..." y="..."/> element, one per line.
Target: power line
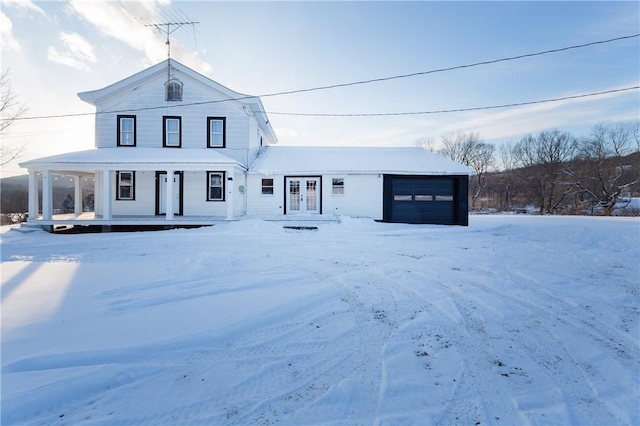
<point x="334" y="86"/>
<point x="439" y="70"/>
<point x="383" y="114"/>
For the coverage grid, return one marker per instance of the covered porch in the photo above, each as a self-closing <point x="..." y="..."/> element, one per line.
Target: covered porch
<point x="121" y="199"/>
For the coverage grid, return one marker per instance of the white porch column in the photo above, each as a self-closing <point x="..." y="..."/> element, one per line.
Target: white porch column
<point x="229" y="195"/>
<point x="77" y="196"/>
<point x="169" y="195"/>
<point x="106" y="194"/>
<point x="33" y="195"/>
<point x="47" y="197"/>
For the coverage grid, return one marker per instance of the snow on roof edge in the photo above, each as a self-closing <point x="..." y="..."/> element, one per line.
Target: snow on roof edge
<point x="355" y="160"/>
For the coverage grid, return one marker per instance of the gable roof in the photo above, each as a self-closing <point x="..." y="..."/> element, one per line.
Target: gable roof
<point x="355" y="160"/>
<point x="253" y="104"/>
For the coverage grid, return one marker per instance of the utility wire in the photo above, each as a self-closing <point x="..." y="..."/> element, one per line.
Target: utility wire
<point x="383" y="114"/>
<point x="475" y="64"/>
<point x="334" y="86"/>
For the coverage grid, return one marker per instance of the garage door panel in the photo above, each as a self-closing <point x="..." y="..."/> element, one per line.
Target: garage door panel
<point x="402" y="188"/>
<point x="443" y="187"/>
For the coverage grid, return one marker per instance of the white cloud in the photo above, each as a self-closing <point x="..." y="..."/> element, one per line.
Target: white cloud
<point x="26" y="5"/>
<point x="518" y="121"/>
<point x="6" y="34"/>
<point x="78" y="54"/>
<point x="126" y="21"/>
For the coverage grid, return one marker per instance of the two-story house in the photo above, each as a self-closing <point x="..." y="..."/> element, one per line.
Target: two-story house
<point x="173" y="147"/>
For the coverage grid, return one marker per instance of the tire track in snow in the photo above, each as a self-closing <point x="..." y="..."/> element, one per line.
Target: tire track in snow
<point x="369" y="300"/>
<point x="478" y="397"/>
<point x="543" y="348"/>
<point x="618" y="345"/>
<point x="579" y="393"/>
<point x="284" y="367"/>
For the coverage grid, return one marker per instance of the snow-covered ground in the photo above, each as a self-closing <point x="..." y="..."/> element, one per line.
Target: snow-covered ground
<point x="512" y="320"/>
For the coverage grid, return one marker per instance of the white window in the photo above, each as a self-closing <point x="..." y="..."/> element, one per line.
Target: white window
<point x="172" y="134"/>
<point x="267" y="186"/>
<point x="216" y="136"/>
<point x="337" y="186"/>
<point x="126" y="185"/>
<point x="126" y="130"/>
<point x="215" y="186"/>
<point x="173" y="90"/>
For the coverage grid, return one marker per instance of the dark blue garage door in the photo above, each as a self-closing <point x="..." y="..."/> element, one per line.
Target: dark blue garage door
<point x="424" y="199"/>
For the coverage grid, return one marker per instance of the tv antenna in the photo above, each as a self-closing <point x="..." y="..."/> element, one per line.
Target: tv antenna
<point x="168" y="28"/>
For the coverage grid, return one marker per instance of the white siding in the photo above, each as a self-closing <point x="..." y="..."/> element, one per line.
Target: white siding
<point x="145" y="196"/>
<point x="241" y="129"/>
<point x="195" y="193"/>
<point x="264" y="205"/>
<point x="362" y="196"/>
<point x="195" y="196"/>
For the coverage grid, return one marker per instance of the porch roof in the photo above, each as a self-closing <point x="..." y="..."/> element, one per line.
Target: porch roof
<point x="355" y="160"/>
<point x="132" y="158"/>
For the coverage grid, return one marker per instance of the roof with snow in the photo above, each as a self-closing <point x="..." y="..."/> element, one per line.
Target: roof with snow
<point x="356" y="160"/>
<point x="101" y="158"/>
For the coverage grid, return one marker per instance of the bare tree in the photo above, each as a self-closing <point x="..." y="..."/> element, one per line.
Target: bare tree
<point x="425" y="142"/>
<point x="605" y="169"/>
<point x="10" y="110"/>
<point x="509" y="164"/>
<point x="469" y="149"/>
<point x="541" y="163"/>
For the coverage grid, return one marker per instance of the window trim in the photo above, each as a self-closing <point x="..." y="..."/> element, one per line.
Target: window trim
<point x="224" y="132"/>
<point x="119" y="119"/>
<point x="165" y="119"/>
<point x="334" y="187"/>
<point x="119" y="185"/>
<point x="208" y="185"/>
<point x="263" y="187"/>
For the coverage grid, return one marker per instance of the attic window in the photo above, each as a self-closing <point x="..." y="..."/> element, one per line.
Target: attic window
<point x="173" y="90"/>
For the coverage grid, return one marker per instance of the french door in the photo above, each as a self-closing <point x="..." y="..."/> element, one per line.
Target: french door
<point x="302" y="195"/>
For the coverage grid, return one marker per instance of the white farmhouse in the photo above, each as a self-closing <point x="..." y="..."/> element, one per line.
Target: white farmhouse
<point x="175" y="148"/>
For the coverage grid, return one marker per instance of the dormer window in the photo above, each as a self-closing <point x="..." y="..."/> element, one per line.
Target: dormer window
<point x="173" y="90"/>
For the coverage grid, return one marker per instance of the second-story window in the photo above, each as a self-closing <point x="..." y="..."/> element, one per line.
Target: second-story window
<point x="216" y="132"/>
<point x="126" y="130"/>
<point x="172" y="134"/>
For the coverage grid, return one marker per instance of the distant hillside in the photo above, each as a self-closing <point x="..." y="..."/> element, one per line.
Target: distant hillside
<point x="14" y="192"/>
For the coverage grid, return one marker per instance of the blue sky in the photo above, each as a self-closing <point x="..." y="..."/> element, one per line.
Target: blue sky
<point x="56" y="49"/>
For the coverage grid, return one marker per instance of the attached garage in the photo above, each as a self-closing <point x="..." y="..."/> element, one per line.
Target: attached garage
<point x="438" y="200"/>
<point x="409" y="185"/>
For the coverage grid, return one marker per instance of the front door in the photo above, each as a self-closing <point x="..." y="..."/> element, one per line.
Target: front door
<point x="162" y="193"/>
<point x="303" y="195"/>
